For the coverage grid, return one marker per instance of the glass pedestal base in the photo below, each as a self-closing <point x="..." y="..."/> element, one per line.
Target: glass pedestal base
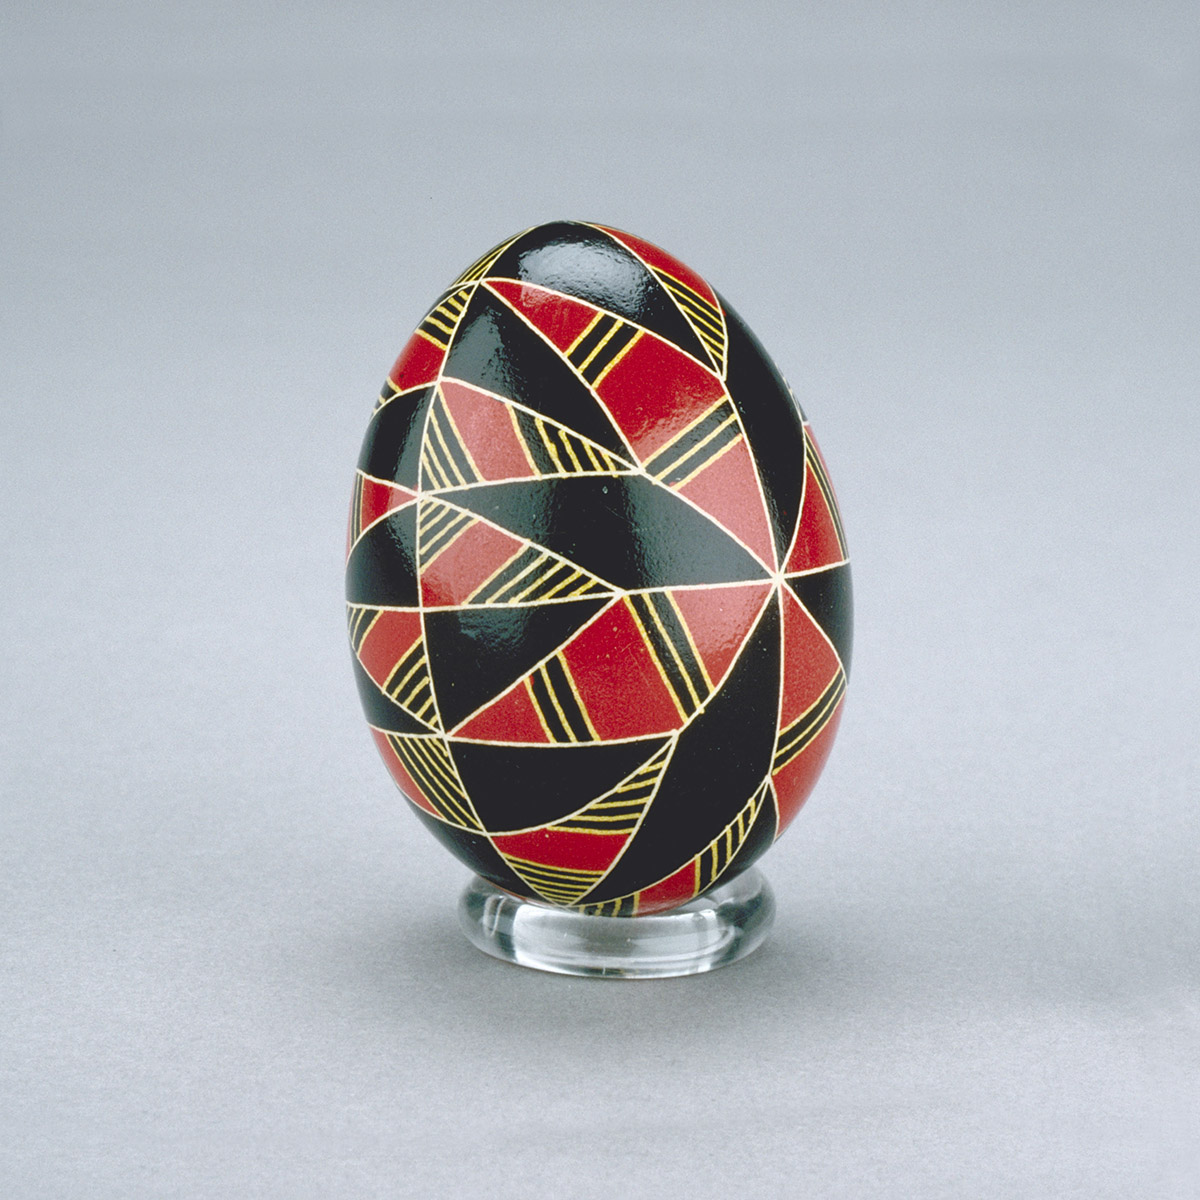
<point x="713" y="930"/>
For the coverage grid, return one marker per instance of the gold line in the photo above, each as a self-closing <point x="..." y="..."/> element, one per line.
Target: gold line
<point x="540" y="425"/>
<point x="675" y="654"/>
<point x="598" y="347"/>
<point x="600" y="314"/>
<point x="587" y="720"/>
<point x="633" y="341"/>
<point x="555" y="701"/>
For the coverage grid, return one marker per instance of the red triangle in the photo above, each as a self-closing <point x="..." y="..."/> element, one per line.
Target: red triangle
<point x="668" y="893"/>
<point x="728" y="489"/>
<point x="511" y="718"/>
<point x="404" y="781"/>
<point x="563" y="848"/>
<point x="816" y="543"/>
<point x="617" y="679"/>
<point x="660" y="260"/>
<point x="470" y="559"/>
<point x="809" y="661"/>
<point x="379" y="499"/>
<point x="795" y="782"/>
<point x="655" y="391"/>
<point x="485" y="424"/>
<point x="560" y="318"/>
<point x="419" y="362"/>
<point x="719" y="621"/>
<point x="389" y="639"/>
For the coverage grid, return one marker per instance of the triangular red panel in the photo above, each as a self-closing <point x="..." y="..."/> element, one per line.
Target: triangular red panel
<point x="660" y="260"/>
<point x="809" y="661"/>
<point x="719" y="621"/>
<point x="389" y="639"/>
<point x="379" y="499"/>
<point x="404" y="781"/>
<point x="655" y="391"/>
<point x="563" y="848"/>
<point x="728" y="489"/>
<point x="485" y="424"/>
<point x="560" y="318"/>
<point x="816" y="543"/>
<point x="467" y="562"/>
<point x="796" y="780"/>
<point x="419" y="362"/>
<point x="675" y="889"/>
<point x="511" y="718"/>
<point x="617" y="679"/>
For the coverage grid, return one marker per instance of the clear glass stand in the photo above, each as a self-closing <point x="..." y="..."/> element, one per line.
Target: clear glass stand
<point x="713" y="930"/>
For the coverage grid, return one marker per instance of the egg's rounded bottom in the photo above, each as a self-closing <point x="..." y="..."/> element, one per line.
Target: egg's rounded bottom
<point x="717" y="928"/>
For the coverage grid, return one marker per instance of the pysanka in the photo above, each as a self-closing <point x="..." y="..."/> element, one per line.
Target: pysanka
<point x="598" y="590"/>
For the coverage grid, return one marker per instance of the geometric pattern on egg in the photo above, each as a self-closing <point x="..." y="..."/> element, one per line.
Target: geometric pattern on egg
<point x="598" y="592"/>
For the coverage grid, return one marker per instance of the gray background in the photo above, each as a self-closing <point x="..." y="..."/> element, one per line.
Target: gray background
<point x="967" y="233"/>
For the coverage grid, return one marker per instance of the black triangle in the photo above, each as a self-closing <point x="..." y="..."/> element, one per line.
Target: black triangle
<point x="381" y="711"/>
<point x="382" y="570"/>
<point x="583" y="261"/>
<point x="516" y="788"/>
<point x="392" y="446"/>
<point x="476" y="851"/>
<point x="829" y="599"/>
<point x="476" y="653"/>
<point x="773" y="423"/>
<point x="495" y="350"/>
<point x="625" y="529"/>
<point x="722" y="758"/>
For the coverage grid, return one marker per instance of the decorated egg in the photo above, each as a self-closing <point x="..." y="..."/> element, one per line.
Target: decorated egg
<point x="597" y="583"/>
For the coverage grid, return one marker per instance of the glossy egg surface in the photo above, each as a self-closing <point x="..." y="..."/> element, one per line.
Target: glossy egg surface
<point x="598" y="591"/>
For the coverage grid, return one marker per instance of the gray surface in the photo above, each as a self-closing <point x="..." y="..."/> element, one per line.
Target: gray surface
<point x="968" y="234"/>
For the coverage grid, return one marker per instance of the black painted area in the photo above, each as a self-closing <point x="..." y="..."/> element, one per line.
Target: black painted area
<point x="495" y="350"/>
<point x="773" y="424"/>
<point x="517" y="788"/>
<point x="382" y="570"/>
<point x="392" y="445"/>
<point x="476" y="851"/>
<point x="381" y="711"/>
<point x="584" y="262"/>
<point x="476" y="653"/>
<point x="722" y="758"/>
<point x="627" y="530"/>
<point x="829" y="599"/>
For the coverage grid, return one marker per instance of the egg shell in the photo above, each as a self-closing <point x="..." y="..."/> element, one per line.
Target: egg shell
<point x="597" y="583"/>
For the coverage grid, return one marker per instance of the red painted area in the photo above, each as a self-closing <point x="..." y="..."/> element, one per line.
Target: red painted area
<point x="794" y="783"/>
<point x="486" y="426"/>
<point x="617" y="679"/>
<point x="404" y="781"/>
<point x="809" y="662"/>
<point x="675" y="889"/>
<point x="720" y="620"/>
<point x="728" y="489"/>
<point x="474" y="556"/>
<point x="663" y="261"/>
<point x="559" y="317"/>
<point x="564" y="848"/>
<point x="390" y="639"/>
<point x="656" y="391"/>
<point x="816" y="543"/>
<point x="379" y="499"/>
<point x="511" y="718"/>
<point x="419" y="362"/>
